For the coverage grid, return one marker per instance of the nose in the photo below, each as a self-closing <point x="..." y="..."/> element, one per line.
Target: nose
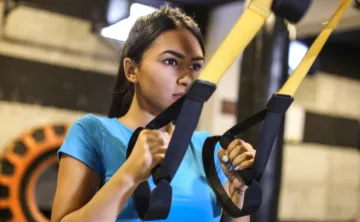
<point x="185" y="80"/>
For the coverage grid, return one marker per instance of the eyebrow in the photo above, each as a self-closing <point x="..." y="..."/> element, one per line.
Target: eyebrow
<point x="181" y="56"/>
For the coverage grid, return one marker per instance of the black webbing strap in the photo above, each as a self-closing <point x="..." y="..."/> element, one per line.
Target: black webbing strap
<point x="156" y="204"/>
<point x="272" y="117"/>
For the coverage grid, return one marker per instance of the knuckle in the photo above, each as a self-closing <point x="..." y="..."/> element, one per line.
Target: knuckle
<point x="161" y="141"/>
<point x="144" y="132"/>
<point x="244" y="147"/>
<point x="234" y="143"/>
<point x="160" y="157"/>
<point x="155" y="132"/>
<point x="236" y="150"/>
<point x="249" y="154"/>
<point x="144" y="139"/>
<point x="248" y="146"/>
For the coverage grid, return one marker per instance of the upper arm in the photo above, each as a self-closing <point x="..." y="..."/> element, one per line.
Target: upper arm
<point x="76" y="185"/>
<point x="80" y="167"/>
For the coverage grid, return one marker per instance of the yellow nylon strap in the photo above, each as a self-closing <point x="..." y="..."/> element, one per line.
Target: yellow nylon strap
<point x="295" y="79"/>
<point x="244" y="30"/>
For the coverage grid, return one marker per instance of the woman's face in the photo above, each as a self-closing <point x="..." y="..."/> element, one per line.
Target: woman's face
<point x="168" y="67"/>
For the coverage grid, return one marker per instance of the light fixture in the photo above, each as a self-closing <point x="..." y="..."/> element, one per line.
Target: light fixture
<point x="297" y="51"/>
<point x="120" y="30"/>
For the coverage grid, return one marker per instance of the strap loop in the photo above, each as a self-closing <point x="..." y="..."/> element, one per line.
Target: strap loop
<point x="152" y="205"/>
<point x="186" y="112"/>
<point x="272" y="117"/>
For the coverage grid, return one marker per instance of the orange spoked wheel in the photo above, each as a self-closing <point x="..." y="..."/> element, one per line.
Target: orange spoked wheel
<point x="23" y="164"/>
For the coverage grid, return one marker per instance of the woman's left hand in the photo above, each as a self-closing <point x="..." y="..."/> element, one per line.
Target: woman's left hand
<point x="238" y="156"/>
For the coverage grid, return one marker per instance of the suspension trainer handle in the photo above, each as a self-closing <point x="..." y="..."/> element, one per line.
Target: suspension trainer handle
<point x="272" y="116"/>
<point x="186" y="111"/>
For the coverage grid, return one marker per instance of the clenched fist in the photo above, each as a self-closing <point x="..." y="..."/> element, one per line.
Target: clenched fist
<point x="148" y="152"/>
<point x="239" y="155"/>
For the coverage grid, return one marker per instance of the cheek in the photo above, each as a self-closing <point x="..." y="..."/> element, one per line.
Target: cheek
<point x="164" y="75"/>
<point x="160" y="79"/>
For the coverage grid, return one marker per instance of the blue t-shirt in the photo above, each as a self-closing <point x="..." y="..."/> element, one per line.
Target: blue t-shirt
<point x="101" y="144"/>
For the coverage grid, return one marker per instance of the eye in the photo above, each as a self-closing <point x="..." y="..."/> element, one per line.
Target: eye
<point x="171" y="62"/>
<point x="196" y="66"/>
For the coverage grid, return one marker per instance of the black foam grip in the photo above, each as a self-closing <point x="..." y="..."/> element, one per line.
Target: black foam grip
<point x="292" y="10"/>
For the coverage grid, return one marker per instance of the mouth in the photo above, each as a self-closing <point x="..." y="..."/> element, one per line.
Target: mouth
<point x="178" y="95"/>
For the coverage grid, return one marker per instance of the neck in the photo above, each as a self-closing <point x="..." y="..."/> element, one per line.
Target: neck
<point x="138" y="116"/>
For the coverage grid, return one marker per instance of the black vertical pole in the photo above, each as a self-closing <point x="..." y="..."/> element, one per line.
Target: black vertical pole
<point x="264" y="68"/>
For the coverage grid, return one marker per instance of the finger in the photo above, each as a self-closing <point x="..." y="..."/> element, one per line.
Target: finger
<point x="154" y="141"/>
<point x="236" y="151"/>
<point x="233" y="145"/>
<point x="245" y="165"/>
<point x="158" y="159"/>
<point x="223" y="155"/>
<point x="159" y="150"/>
<point x="158" y="133"/>
<point x="158" y="140"/>
<point x="239" y="160"/>
<point x="164" y="136"/>
<point x="248" y="146"/>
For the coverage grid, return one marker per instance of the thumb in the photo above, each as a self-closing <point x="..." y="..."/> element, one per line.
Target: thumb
<point x="222" y="155"/>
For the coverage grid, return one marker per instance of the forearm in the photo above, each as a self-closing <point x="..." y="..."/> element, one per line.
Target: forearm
<point x="109" y="201"/>
<point x="237" y="198"/>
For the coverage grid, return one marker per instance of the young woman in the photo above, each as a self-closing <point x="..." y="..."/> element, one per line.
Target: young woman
<point x="163" y="55"/>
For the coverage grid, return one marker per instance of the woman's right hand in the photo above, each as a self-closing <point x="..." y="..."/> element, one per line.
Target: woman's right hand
<point x="148" y="152"/>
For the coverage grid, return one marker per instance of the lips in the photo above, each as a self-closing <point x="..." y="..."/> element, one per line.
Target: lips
<point x="177" y="95"/>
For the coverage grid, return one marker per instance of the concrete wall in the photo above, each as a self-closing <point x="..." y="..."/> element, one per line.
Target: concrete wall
<point x="50" y="38"/>
<point x="220" y="23"/>
<point x="321" y="182"/>
<point x="43" y="36"/>
<point x="15" y="118"/>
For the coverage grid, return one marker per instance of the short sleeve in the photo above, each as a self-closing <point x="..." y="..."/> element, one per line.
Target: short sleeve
<point x="204" y="135"/>
<point x="81" y="143"/>
<point x="222" y="176"/>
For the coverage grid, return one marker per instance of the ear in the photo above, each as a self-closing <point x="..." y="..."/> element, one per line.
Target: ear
<point x="130" y="70"/>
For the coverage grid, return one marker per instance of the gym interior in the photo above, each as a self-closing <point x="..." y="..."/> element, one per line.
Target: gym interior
<point x="59" y="60"/>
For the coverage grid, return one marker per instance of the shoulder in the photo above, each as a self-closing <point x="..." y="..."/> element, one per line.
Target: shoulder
<point x="82" y="142"/>
<point x="90" y="123"/>
<point x="199" y="138"/>
<point x="201" y="135"/>
<point x="86" y="128"/>
<point x="88" y="120"/>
